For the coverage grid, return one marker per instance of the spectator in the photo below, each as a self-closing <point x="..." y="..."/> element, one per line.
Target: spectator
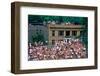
<point x="69" y="49"/>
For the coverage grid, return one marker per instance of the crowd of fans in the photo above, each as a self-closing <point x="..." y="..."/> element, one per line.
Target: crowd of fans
<point x="66" y="49"/>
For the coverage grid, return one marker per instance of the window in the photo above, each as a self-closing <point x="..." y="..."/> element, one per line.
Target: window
<point x="74" y="33"/>
<point x="53" y="42"/>
<point x="61" y="33"/>
<point x="67" y="33"/>
<point x="53" y="33"/>
<point x="40" y="30"/>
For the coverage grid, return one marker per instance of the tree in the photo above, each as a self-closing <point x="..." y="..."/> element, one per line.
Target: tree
<point x="35" y="18"/>
<point x="38" y="37"/>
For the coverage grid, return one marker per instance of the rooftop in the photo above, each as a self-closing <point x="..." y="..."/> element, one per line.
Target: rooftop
<point x="65" y="26"/>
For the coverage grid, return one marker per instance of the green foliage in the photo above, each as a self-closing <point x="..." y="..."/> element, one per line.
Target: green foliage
<point x="38" y="37"/>
<point x="34" y="18"/>
<point x="71" y="19"/>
